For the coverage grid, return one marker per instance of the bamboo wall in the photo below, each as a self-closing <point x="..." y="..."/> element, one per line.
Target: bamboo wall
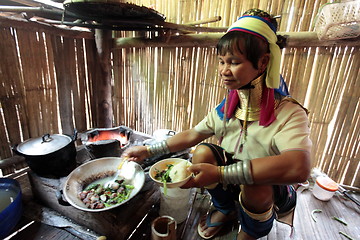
<point x="46" y="85"/>
<point x="48" y="82"/>
<point x="324" y="79"/>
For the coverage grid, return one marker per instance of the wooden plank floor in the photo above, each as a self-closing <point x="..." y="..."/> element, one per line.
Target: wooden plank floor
<point x="325" y="228"/>
<point x="305" y="228"/>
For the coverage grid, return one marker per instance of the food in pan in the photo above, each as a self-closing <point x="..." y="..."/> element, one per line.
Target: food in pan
<point x="96" y="196"/>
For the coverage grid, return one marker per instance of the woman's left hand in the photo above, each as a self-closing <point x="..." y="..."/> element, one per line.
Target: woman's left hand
<point x="205" y="174"/>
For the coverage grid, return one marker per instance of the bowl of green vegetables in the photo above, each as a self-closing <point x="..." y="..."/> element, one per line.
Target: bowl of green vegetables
<point x="171" y="172"/>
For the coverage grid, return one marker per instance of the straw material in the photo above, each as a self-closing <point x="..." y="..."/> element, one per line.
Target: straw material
<point x="50" y="81"/>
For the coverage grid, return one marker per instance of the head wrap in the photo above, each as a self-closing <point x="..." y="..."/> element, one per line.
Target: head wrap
<point x="262" y="28"/>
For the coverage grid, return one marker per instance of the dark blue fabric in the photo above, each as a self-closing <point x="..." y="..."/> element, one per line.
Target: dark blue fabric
<point x="284" y="198"/>
<point x="223" y="200"/>
<point x="255" y="228"/>
<point x="262" y="19"/>
<point x="218" y="110"/>
<point x="283" y="89"/>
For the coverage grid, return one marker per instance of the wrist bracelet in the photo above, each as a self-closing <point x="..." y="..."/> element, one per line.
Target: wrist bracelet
<point x="221" y="173"/>
<point x="247" y="172"/>
<point x="237" y="173"/>
<point x="148" y="150"/>
<point x="159" y="148"/>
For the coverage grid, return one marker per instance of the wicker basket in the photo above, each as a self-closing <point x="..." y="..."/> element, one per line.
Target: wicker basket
<point x="338" y="20"/>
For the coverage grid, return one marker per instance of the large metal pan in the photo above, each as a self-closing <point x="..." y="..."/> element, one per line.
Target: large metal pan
<point x="97" y="169"/>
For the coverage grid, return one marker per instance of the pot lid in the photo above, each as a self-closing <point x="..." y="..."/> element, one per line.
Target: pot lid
<point x="163" y="134"/>
<point x="43" y="145"/>
<point x="327" y="183"/>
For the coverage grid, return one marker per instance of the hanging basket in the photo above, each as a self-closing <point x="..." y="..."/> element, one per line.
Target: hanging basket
<point x="338" y="21"/>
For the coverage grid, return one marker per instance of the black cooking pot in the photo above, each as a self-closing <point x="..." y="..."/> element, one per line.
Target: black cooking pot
<point x="50" y="154"/>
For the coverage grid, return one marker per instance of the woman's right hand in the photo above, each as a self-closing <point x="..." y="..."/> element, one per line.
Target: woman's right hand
<point x="136" y="153"/>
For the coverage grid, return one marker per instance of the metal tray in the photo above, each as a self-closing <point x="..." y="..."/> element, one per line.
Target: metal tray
<point x="97" y="169"/>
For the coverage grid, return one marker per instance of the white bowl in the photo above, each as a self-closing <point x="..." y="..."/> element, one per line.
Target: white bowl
<point x="162" y="165"/>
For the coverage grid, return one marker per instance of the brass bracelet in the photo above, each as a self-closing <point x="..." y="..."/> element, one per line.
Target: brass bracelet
<point x="148" y="150"/>
<point x="221" y="173"/>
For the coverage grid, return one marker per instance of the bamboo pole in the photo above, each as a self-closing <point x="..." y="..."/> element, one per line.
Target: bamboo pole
<point x="334" y="78"/>
<point x="52" y="98"/>
<point x="300" y="91"/>
<point x="31" y="80"/>
<point x="294" y="39"/>
<point x="64" y="48"/>
<point x="345" y="62"/>
<point x="316" y="124"/>
<point x="307" y="54"/>
<point x="336" y="143"/>
<point x="284" y="16"/>
<point x="320" y="102"/>
<point x="315" y="7"/>
<point x="344" y="118"/>
<point x="80" y="88"/>
<point x="204" y="21"/>
<point x="287" y="56"/>
<point x="295" y="9"/>
<point x="42" y="27"/>
<point x="11" y="95"/>
<point x="205" y="10"/>
<point x="45" y="85"/>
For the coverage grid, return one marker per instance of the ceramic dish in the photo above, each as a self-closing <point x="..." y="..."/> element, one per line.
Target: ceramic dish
<point x="163" y="165"/>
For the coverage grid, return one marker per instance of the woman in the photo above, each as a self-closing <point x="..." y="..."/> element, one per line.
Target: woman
<point x="263" y="135"/>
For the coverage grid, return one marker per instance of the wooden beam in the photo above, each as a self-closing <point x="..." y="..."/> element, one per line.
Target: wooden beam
<point x="38" y="26"/>
<point x="310" y="39"/>
<point x="204" y="21"/>
<point x="188" y="40"/>
<point x="34" y="3"/>
<point x="26" y="3"/>
<point x="294" y="39"/>
<point x="103" y="83"/>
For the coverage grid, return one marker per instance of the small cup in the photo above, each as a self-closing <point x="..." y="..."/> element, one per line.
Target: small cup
<point x="163" y="228"/>
<point x="324" y="188"/>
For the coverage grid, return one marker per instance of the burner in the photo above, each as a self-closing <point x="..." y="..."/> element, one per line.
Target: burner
<point x="106" y="142"/>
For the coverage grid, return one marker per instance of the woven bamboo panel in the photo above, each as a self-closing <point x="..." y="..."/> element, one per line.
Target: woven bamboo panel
<point x="49" y="80"/>
<point x="45" y="87"/>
